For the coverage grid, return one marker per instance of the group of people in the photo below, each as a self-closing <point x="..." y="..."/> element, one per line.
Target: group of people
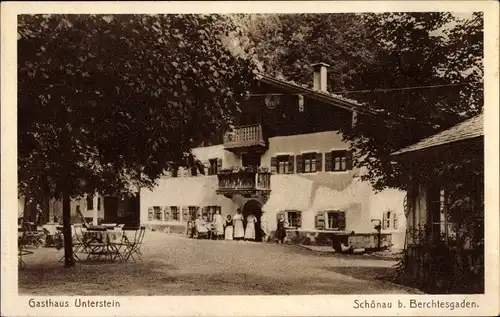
<point x="236" y="227"/>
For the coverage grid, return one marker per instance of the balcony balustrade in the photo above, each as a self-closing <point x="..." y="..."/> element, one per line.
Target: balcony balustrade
<point x="244" y="137"/>
<point x="245" y="181"/>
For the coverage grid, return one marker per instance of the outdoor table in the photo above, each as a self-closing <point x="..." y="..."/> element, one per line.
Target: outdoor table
<point x="106" y="243"/>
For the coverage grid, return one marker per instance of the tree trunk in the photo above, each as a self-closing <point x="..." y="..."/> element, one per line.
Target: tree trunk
<point x="68" y="241"/>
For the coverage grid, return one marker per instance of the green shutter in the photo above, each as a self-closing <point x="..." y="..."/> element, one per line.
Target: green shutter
<point x="348" y="159"/>
<point x="291" y="168"/>
<point x="328" y="162"/>
<point x="319" y="220"/>
<point x="299" y="159"/>
<point x="319" y="162"/>
<point x="185" y="214"/>
<point x="274" y="163"/>
<point x="341" y="220"/>
<point x="167" y="215"/>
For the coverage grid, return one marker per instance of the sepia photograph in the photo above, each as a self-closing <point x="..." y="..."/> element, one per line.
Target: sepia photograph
<point x="199" y="154"/>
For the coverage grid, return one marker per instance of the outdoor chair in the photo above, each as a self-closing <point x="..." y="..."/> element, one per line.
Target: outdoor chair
<point x="133" y="247"/>
<point x="21" y="251"/>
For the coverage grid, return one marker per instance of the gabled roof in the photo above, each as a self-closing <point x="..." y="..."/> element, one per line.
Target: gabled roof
<point x="468" y="129"/>
<point x="326" y="97"/>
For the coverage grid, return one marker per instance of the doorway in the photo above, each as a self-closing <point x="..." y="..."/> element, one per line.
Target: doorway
<point x="254" y="207"/>
<point x="250" y="159"/>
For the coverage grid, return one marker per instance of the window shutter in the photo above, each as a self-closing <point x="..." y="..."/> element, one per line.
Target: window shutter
<point x="185" y="214"/>
<point x="274" y="163"/>
<point x="384" y="220"/>
<point x="300" y="163"/>
<point x="299" y="219"/>
<point x="348" y="159"/>
<point x="150" y="213"/>
<point x="319" y="220"/>
<point x="291" y="168"/>
<point x="395" y="221"/>
<point x="205" y="167"/>
<point x="328" y="162"/>
<point x="341" y="219"/>
<point x="319" y="162"/>
<point x="167" y="215"/>
<point x="219" y="164"/>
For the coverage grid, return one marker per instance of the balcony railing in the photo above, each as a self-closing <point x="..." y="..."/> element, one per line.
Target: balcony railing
<point x="244" y="136"/>
<point x="243" y="181"/>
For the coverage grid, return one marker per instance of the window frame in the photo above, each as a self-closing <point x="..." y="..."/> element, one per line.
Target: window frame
<point x="176" y="212"/>
<point x="157" y="209"/>
<point x="337" y="213"/>
<point x="285" y="159"/>
<point x="444" y="224"/>
<point x="311" y="157"/>
<point x="196" y="211"/>
<point x="298" y="216"/>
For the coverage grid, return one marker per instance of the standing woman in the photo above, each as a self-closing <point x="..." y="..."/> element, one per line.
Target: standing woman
<point x="218" y="225"/>
<point x="250" y="229"/>
<point x="239" y="231"/>
<point x="281" y="231"/>
<point x="228" y="232"/>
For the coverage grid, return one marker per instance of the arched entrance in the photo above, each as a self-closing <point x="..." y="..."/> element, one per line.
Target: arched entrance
<point x="254" y="207"/>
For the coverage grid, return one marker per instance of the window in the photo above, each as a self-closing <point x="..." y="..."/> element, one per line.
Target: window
<point x="90" y="202"/>
<point x="282" y="164"/>
<point x="444" y="230"/>
<point x="293" y="217"/>
<point x="309" y="163"/>
<point x="386" y="220"/>
<point x="157" y="213"/>
<point x="175" y="213"/>
<point x="338" y="161"/>
<point x="175" y="172"/>
<point x="215" y="165"/>
<point x="193" y="212"/>
<point x="210" y="211"/>
<point x="335" y="220"/>
<point x="98" y="203"/>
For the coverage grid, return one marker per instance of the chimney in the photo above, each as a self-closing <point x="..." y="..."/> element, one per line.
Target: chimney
<point x="320" y="80"/>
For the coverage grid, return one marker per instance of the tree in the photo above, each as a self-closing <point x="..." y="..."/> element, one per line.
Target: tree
<point x="109" y="101"/>
<point x="415" y="50"/>
<point x="372" y="52"/>
<point x="287" y="45"/>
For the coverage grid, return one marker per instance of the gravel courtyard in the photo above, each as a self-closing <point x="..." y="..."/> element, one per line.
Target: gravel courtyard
<point x="175" y="265"/>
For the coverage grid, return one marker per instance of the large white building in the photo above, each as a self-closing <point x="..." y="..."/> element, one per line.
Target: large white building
<point x="286" y="155"/>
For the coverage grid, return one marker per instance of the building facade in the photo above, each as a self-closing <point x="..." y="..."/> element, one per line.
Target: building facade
<point x="287" y="156"/>
<point x="445" y="210"/>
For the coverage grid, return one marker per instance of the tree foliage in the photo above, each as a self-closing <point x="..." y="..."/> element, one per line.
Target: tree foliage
<point x="104" y="101"/>
<point x="373" y="52"/>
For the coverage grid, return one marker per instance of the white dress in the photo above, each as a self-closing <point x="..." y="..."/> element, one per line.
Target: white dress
<point x="239" y="231"/>
<point x="250" y="230"/>
<point x="218" y="224"/>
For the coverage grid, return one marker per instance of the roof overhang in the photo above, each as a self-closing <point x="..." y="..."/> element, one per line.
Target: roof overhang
<point x="317" y="95"/>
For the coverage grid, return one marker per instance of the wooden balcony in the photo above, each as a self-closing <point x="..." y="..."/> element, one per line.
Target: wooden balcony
<point x="248" y="182"/>
<point x="244" y="138"/>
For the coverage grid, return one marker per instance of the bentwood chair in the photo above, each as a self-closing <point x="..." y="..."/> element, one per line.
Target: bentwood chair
<point x="133" y="246"/>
